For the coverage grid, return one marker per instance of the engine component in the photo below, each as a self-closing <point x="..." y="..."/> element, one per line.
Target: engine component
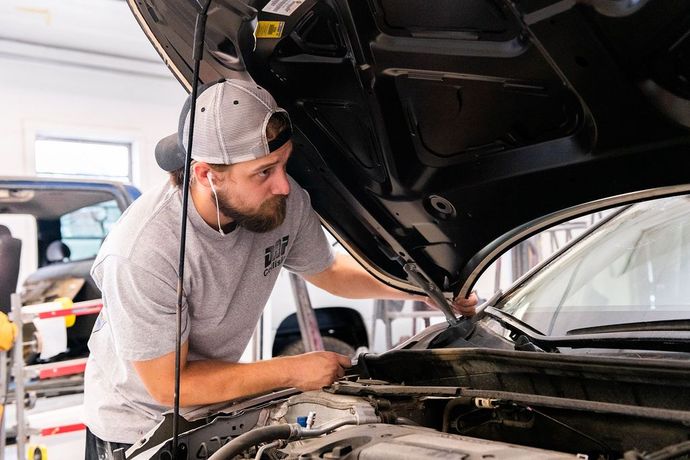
<point x="288" y="432"/>
<point x="390" y="442"/>
<point x="325" y="411"/>
<point x="327" y="407"/>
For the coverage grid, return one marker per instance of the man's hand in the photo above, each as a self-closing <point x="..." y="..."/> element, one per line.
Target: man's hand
<point x="466" y="307"/>
<point x="461" y="306"/>
<point x="312" y="371"/>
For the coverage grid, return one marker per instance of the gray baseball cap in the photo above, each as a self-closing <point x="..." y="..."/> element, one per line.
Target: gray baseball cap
<point x="230" y="126"/>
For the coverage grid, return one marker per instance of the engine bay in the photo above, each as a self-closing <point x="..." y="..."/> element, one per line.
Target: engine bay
<point x="454" y="403"/>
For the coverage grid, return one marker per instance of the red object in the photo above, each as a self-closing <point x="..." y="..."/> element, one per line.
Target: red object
<point x="60" y="371"/>
<point x="88" y="307"/>
<point x="62" y="429"/>
<point x="70" y="311"/>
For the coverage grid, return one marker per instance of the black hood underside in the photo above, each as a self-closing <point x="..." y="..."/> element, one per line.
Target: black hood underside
<point x="434" y="132"/>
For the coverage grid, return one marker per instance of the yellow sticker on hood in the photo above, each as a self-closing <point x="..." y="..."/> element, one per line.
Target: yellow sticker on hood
<point x="269" y="29"/>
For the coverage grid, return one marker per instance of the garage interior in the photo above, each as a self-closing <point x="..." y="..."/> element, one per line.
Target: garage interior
<point x="82" y="71"/>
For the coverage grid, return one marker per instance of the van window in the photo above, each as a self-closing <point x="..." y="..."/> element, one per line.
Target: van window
<point x="83" y="230"/>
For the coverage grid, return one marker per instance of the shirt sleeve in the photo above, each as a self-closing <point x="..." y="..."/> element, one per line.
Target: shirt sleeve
<point x="139" y="310"/>
<point x="310" y="253"/>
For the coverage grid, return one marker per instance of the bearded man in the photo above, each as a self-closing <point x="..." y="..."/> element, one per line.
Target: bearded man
<point x="246" y="219"/>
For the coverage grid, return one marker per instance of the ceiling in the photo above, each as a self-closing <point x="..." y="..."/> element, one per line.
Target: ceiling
<point x="100" y="34"/>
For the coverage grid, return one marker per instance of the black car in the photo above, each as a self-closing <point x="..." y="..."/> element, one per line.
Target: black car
<point x="433" y="136"/>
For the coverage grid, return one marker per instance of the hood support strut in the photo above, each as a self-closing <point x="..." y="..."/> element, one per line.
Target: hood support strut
<point x="432" y="291"/>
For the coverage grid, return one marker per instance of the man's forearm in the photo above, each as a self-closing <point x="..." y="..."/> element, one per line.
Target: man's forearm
<point x="208" y="382"/>
<point x="346" y="278"/>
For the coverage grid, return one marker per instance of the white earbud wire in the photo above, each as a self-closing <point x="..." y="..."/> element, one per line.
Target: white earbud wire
<point x="213" y="189"/>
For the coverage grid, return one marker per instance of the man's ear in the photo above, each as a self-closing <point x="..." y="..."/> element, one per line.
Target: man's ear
<point x="200" y="171"/>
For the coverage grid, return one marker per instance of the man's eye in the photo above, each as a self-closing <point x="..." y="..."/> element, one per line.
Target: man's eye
<point x="264" y="173"/>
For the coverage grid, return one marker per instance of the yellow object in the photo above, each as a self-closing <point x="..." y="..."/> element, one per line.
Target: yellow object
<point x="66" y="304"/>
<point x="8" y="332"/>
<point x="36" y="452"/>
<point x="269" y="29"/>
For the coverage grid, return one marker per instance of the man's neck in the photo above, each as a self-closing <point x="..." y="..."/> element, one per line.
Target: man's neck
<point x="206" y="207"/>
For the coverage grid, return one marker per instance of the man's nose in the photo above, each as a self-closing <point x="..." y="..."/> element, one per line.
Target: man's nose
<point x="281" y="185"/>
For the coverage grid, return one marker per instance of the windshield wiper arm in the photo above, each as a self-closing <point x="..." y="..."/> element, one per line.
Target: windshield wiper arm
<point x="664" y="340"/>
<point x="512" y="323"/>
<point x="661" y="325"/>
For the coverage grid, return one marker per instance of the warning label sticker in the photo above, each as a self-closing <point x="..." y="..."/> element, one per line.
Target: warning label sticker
<point x="269" y="29"/>
<point x="282" y="7"/>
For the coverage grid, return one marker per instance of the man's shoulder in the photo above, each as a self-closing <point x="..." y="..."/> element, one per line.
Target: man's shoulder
<point x="150" y="222"/>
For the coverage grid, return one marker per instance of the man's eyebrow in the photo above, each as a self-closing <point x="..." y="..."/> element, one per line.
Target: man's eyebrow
<point x="271" y="163"/>
<point x="265" y="166"/>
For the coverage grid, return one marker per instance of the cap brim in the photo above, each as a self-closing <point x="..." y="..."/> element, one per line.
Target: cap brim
<point x="169" y="155"/>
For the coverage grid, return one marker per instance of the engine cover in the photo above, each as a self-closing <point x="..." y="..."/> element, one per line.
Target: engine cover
<point x="390" y="442"/>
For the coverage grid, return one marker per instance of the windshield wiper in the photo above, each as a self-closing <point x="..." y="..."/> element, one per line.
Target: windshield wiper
<point x="660" y="325"/>
<point x="662" y="340"/>
<point x="512" y="323"/>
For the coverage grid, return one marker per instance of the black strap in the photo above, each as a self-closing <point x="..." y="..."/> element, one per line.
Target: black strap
<point x="280" y="139"/>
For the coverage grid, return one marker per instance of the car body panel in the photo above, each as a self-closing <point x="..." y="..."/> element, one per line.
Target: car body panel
<point x="124" y="194"/>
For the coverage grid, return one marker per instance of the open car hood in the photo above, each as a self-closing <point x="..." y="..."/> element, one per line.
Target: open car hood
<point x="438" y="133"/>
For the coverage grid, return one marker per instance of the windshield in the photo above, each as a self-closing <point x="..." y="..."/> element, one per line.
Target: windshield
<point x="634" y="268"/>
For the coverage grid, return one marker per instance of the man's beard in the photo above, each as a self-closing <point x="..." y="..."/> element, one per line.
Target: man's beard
<point x="270" y="215"/>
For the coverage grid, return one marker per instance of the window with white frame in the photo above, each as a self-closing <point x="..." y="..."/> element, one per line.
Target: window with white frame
<point x="85" y="158"/>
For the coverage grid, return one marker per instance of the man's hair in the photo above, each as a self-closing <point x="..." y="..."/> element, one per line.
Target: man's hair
<point x="278" y="123"/>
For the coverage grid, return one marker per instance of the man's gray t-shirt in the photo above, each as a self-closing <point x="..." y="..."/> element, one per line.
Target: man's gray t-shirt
<point x="227" y="281"/>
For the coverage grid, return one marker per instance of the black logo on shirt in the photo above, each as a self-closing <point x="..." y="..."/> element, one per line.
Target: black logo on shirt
<point x="275" y="255"/>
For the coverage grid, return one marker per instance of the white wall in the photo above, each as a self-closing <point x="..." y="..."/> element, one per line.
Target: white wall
<point x="83" y="69"/>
